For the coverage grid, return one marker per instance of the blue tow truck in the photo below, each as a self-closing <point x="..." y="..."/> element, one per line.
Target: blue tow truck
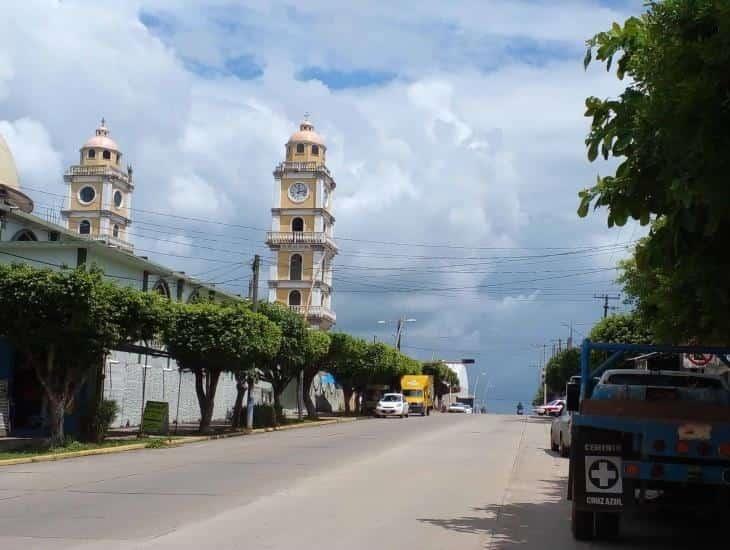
<point x="646" y="437"/>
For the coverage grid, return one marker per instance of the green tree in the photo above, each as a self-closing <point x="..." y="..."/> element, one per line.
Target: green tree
<point x="284" y="366"/>
<point x="66" y="322"/>
<point x="346" y="361"/>
<point x="560" y="368"/>
<point x="670" y="130"/>
<point x="628" y="328"/>
<point x="208" y="339"/>
<point x="443" y="378"/>
<point x="316" y="347"/>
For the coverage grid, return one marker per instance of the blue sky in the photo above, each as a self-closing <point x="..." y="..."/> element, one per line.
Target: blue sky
<point x="454" y="130"/>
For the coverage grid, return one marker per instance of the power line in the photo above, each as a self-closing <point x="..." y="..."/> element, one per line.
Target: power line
<point x="342" y="238"/>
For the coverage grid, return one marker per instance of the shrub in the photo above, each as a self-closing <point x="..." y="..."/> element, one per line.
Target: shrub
<point x="107" y="412"/>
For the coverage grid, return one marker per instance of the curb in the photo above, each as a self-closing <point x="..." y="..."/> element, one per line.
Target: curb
<point x="171" y="443"/>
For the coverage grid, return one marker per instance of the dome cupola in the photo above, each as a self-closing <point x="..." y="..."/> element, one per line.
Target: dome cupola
<point x="306" y="144"/>
<point x="100" y="149"/>
<point x="10" y="192"/>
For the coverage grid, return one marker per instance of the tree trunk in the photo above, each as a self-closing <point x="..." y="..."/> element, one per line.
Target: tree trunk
<point x="347" y="394"/>
<point x="277" y="403"/>
<point x="206" y="383"/>
<point x="56" y="414"/>
<point x="250" y="383"/>
<point x="307" y="391"/>
<point x="237" y="419"/>
<point x="57" y="401"/>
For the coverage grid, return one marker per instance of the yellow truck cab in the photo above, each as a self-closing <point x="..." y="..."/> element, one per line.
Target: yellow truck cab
<point x="418" y="391"/>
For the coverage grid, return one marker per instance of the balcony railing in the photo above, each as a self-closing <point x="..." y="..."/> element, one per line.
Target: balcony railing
<point x="97" y="171"/>
<point x="298" y="166"/>
<point x="110" y="240"/>
<point x="277" y="238"/>
<point x="318" y="312"/>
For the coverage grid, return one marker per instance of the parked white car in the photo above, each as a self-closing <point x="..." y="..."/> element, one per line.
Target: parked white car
<point x="457" y="408"/>
<point x="554" y="408"/>
<point x="560" y="432"/>
<point x="392" y="404"/>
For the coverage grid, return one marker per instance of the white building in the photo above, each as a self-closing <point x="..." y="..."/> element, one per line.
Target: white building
<point x="97" y="215"/>
<point x="459" y="367"/>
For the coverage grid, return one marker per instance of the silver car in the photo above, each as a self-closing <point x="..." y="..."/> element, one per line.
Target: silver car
<point x="560" y="432"/>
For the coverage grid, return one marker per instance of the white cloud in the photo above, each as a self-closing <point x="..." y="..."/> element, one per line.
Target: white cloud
<point x="38" y="163"/>
<point x="478" y="142"/>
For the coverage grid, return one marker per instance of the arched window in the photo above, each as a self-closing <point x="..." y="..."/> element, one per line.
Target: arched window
<point x="24" y="235"/>
<point x="297" y="224"/>
<point x="115" y="231"/>
<point x="161" y="288"/>
<point x="315" y="150"/>
<point x="295" y="267"/>
<point x="295" y="298"/>
<point x="84" y="227"/>
<point x="107" y="154"/>
<point x="92" y="153"/>
<point x="300" y="148"/>
<point x="117" y="157"/>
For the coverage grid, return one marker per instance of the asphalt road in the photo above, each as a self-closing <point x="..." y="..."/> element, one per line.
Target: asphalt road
<point x="442" y="482"/>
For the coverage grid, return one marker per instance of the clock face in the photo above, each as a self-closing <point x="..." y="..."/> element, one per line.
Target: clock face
<point x="298" y="192"/>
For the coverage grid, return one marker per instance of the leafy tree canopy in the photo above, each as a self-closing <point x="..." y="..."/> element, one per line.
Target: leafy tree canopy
<point x="670" y="130"/>
<point x="560" y="368"/>
<point x="627" y="328"/>
<point x="65" y="321"/>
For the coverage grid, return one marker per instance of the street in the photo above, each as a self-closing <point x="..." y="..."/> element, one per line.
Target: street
<point x="445" y="481"/>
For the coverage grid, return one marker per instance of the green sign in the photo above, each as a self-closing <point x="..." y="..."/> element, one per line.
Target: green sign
<point x="156" y="417"/>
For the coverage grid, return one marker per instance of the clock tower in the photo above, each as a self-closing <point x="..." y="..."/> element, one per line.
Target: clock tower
<point x="99" y="198"/>
<point x="301" y="235"/>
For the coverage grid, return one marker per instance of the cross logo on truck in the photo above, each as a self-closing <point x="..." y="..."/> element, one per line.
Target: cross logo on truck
<point x="603" y="474"/>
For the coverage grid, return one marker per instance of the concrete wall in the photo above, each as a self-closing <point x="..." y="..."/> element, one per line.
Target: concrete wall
<point x="326" y="394"/>
<point x="124" y="379"/>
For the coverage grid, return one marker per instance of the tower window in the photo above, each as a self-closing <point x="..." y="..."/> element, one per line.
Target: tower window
<point x="315" y="150"/>
<point x="84" y="227"/>
<point x="295" y="298"/>
<point x="87" y="194"/>
<point x="297" y="224"/>
<point x="118" y="157"/>
<point x="300" y="148"/>
<point x="106" y="154"/>
<point x="295" y="267"/>
<point x="118" y="198"/>
<point x="115" y="231"/>
<point x="91" y="153"/>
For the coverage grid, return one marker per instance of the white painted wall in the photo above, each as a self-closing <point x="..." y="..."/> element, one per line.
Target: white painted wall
<point x="460" y="370"/>
<point x="123" y="383"/>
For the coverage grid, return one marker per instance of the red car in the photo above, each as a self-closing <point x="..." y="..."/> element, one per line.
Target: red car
<point x="554" y="408"/>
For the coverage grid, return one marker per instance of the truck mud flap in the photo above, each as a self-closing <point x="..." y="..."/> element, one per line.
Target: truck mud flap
<point x="596" y="470"/>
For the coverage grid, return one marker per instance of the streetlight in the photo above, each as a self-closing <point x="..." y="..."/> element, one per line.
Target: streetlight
<point x="400" y="327"/>
<point x="476" y="385"/>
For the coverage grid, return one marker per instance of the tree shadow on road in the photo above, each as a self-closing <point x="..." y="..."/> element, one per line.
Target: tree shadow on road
<point x="543" y="522"/>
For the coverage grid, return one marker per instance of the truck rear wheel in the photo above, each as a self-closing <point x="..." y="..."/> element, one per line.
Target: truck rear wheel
<point x="581" y="523"/>
<point x="607" y="525"/>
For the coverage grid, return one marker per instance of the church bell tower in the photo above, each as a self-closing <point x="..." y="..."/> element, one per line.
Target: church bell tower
<point x="302" y="229"/>
<point x="99" y="198"/>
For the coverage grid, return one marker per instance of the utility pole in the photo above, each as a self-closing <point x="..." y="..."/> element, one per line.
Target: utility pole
<point x="254" y="306"/>
<point x="605" y="298"/>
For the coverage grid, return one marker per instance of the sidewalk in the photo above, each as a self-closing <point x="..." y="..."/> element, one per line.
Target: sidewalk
<point x="185" y="435"/>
